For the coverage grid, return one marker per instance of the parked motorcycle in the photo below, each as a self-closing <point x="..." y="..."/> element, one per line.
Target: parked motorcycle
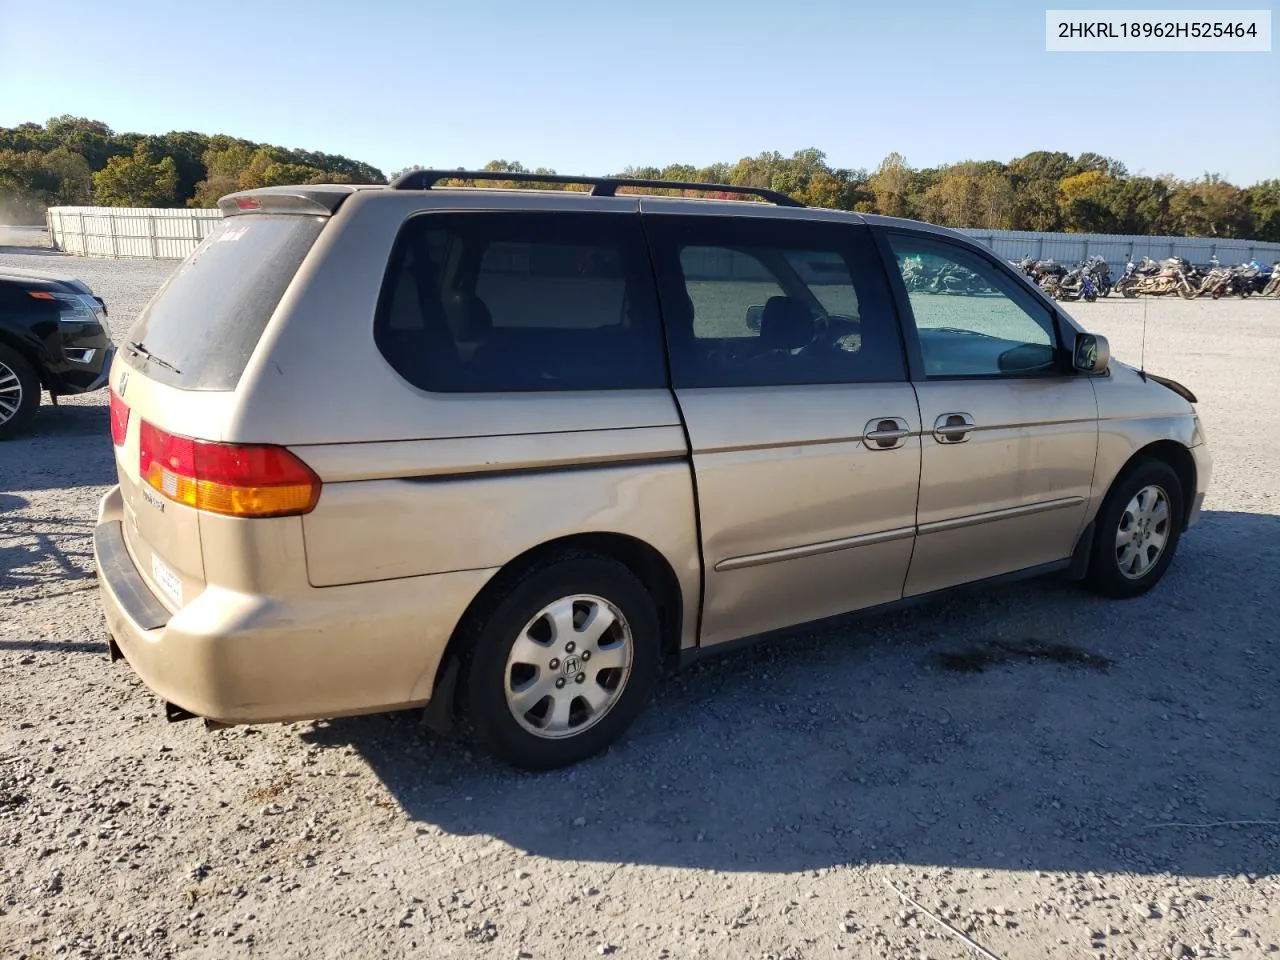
<point x="1100" y="272"/>
<point x="1272" y="286"/>
<point x="1077" y="284"/>
<point x="1151" y="279"/>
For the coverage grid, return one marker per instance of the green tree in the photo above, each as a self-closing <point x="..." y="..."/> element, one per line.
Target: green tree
<point x="133" y="182"/>
<point x="892" y="186"/>
<point x="1263" y="200"/>
<point x="1209" y="207"/>
<point x="72" y="176"/>
<point x="25" y="186"/>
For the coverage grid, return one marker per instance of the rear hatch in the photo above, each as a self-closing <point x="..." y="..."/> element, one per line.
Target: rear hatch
<point x="172" y="388"/>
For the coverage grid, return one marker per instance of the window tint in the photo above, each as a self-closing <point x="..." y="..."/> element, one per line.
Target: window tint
<point x="519" y="302"/>
<point x="755" y="302"/>
<point x="971" y="319"/>
<point x="207" y="318"/>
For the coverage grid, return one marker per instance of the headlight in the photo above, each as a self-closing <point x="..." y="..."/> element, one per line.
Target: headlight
<point x="73" y="307"/>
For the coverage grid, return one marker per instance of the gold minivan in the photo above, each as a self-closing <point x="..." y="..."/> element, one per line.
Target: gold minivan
<point x="500" y="453"/>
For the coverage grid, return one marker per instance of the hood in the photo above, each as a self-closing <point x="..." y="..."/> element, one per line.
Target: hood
<point x="44" y="281"/>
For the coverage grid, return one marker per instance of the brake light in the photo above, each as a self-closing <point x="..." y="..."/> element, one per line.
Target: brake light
<point x="238" y="480"/>
<point x="119" y="419"/>
<point x="248" y="203"/>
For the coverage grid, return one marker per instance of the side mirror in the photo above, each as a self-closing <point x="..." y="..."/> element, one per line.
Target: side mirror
<point x="1092" y="353"/>
<point x="754" y="315"/>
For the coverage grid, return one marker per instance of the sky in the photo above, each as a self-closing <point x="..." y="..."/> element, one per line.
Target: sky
<point x="593" y="87"/>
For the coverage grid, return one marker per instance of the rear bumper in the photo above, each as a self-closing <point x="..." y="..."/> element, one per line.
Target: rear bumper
<point x="241" y="658"/>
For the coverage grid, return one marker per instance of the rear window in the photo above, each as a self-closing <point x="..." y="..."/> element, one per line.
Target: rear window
<point x="203" y="324"/>
<point x="497" y="302"/>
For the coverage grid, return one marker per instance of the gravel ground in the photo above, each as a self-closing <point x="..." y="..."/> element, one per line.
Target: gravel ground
<point x="1059" y="775"/>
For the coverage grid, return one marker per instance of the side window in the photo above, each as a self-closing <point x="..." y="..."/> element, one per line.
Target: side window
<point x="971" y="319"/>
<point x="495" y="302"/>
<point x="764" y="302"/>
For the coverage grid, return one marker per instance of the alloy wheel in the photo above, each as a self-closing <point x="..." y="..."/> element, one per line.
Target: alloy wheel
<point x="568" y="666"/>
<point x="10" y="393"/>
<point x="1143" y="532"/>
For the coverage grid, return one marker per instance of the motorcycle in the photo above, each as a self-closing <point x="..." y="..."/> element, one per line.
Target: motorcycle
<point x="1078" y="284"/>
<point x="1100" y="272"/>
<point x="1127" y="285"/>
<point x="1151" y="279"/>
<point x="1214" y="282"/>
<point x="953" y="279"/>
<point x="1272" y="288"/>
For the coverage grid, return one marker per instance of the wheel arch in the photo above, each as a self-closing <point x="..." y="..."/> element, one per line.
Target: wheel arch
<point x="644" y="560"/>
<point x="1178" y="457"/>
<point x="28" y="353"/>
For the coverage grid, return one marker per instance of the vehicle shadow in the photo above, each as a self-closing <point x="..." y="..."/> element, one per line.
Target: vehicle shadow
<point x="1033" y="726"/>
<point x="47" y="553"/>
<point x="66" y="446"/>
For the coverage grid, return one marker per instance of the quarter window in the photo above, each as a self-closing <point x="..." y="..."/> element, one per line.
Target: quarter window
<point x="491" y="302"/>
<point x="972" y="320"/>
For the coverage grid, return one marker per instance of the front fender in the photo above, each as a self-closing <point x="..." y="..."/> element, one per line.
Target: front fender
<point x="1136" y="413"/>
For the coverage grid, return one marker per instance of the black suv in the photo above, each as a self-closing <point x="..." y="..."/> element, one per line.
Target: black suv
<point x="53" y="337"/>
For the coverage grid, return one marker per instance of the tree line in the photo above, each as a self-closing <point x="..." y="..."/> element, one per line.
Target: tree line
<point x="73" y="160"/>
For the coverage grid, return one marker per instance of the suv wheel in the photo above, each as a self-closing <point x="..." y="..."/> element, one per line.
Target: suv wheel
<point x="19" y="392"/>
<point x="558" y="668"/>
<point x="1137" y="531"/>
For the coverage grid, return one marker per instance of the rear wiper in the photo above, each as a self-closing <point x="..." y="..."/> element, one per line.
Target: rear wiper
<point x="137" y="347"/>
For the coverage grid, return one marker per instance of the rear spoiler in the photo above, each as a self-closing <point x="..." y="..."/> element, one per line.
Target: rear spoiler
<point x="319" y="200"/>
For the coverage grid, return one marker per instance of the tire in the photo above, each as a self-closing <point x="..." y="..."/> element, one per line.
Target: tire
<point x="1106" y="574"/>
<point x="590" y="585"/>
<point x="19" y="392"/>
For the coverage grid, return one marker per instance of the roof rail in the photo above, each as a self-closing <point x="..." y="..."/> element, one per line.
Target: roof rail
<point x="600" y="186"/>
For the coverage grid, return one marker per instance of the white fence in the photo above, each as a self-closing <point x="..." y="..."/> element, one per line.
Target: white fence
<point x="129" y="232"/>
<point x="139" y="233"/>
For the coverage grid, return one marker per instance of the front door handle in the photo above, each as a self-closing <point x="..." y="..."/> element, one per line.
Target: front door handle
<point x="953" y="427"/>
<point x="885" y="433"/>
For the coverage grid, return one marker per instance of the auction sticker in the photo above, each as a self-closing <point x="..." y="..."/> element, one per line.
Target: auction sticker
<point x="1158" y="31"/>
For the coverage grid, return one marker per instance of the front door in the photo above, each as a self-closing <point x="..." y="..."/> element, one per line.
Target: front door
<point x="1010" y="431"/>
<point x="789" y="372"/>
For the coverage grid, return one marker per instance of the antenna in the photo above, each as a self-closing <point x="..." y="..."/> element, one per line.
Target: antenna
<point x="1142" y="357"/>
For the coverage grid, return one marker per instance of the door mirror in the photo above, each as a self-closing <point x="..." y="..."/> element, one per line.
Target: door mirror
<point x="755" y="314"/>
<point x="1093" y="353"/>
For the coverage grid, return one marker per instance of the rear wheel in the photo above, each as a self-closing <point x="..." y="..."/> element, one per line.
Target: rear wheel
<point x="1137" y="530"/>
<point x="19" y="392"/>
<point x="561" y="663"/>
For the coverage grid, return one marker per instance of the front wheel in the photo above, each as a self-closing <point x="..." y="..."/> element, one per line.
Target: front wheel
<point x="19" y="392"/>
<point x="1137" y="530"/>
<point x="557" y="668"/>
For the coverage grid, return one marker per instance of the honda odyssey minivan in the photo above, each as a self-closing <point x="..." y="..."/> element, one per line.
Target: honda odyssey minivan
<point x="501" y="453"/>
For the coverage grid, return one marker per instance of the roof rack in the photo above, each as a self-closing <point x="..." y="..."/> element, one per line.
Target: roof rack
<point x="600" y="186"/>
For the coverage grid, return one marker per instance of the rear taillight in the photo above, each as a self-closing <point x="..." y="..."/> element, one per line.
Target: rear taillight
<point x="119" y="419"/>
<point x="239" y="480"/>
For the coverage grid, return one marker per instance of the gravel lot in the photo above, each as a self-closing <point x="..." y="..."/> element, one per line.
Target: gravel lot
<point x="1123" y="804"/>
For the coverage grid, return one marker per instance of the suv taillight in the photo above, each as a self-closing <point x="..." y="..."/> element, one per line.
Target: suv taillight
<point x="119" y="419"/>
<point x="238" y="480"/>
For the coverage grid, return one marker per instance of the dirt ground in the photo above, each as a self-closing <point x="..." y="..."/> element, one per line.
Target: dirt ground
<point x="1058" y="775"/>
